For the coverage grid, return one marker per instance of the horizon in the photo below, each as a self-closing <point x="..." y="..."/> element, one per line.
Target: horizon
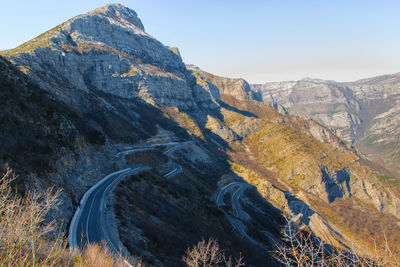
<point x="270" y="42"/>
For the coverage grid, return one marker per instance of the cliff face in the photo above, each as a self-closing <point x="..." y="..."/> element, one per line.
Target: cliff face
<point x="108" y="50"/>
<point x="108" y="86"/>
<point x="238" y="88"/>
<point x="380" y="138"/>
<point x="113" y="87"/>
<point x="326" y="102"/>
<point x="362" y="112"/>
<point x="47" y="145"/>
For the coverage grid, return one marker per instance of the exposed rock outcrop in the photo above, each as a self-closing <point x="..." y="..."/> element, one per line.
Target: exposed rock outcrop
<point x="238" y="88"/>
<point x="364" y="113"/>
<point x="324" y="101"/>
<point x="114" y="87"/>
<point x="108" y="50"/>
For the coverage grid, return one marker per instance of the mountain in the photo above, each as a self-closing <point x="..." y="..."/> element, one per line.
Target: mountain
<point x="217" y="156"/>
<point x="363" y="113"/>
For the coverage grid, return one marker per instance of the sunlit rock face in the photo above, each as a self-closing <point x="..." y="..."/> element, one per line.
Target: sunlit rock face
<point x="108" y="50"/>
<point x="364" y="113"/>
<point x="112" y="86"/>
<point x="324" y="101"/>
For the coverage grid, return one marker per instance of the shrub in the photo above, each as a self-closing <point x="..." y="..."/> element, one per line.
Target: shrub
<point x="25" y="229"/>
<point x="207" y="254"/>
<point x="100" y="255"/>
<point x="302" y="248"/>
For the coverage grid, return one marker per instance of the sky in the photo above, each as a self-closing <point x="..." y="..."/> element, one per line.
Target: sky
<point x="259" y="40"/>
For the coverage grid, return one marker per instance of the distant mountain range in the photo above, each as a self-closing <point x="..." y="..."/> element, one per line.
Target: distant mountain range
<point x="98" y="84"/>
<point x="364" y="113"/>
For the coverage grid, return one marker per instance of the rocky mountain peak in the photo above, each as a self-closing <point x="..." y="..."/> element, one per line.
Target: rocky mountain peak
<point x="120" y="13"/>
<point x="106" y="50"/>
<point x="98" y="25"/>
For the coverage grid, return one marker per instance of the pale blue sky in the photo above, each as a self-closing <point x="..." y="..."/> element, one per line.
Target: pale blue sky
<point x="258" y="40"/>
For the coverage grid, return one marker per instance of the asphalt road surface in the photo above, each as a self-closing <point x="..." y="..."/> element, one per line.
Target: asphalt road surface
<point x="87" y="225"/>
<point x="240" y="214"/>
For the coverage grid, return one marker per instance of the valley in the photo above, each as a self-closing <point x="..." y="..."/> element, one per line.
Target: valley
<point x="153" y="155"/>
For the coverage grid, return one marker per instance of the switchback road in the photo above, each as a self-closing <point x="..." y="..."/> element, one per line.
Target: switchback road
<point x="87" y="225"/>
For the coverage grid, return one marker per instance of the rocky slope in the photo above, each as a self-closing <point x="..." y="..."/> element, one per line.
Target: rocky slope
<point x="304" y="158"/>
<point x="363" y="113"/>
<point x="106" y="85"/>
<point x="118" y="87"/>
<point x="45" y="144"/>
<point x="115" y="56"/>
<point x="380" y="137"/>
<point x="238" y="88"/>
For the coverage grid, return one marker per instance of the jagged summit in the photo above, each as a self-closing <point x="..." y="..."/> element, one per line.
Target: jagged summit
<point x="102" y="23"/>
<point x="108" y="50"/>
<point x="120" y="13"/>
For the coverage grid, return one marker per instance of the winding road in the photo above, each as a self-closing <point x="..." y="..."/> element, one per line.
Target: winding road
<point x="87" y="225"/>
<point x="240" y="214"/>
<point x="235" y="198"/>
<point x="177" y="169"/>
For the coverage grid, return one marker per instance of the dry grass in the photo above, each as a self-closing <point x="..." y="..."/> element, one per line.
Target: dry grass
<point x="24" y="229"/>
<point x="302" y="248"/>
<point x="361" y="222"/>
<point x="281" y="154"/>
<point x="184" y="120"/>
<point x="100" y="256"/>
<point x="25" y="232"/>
